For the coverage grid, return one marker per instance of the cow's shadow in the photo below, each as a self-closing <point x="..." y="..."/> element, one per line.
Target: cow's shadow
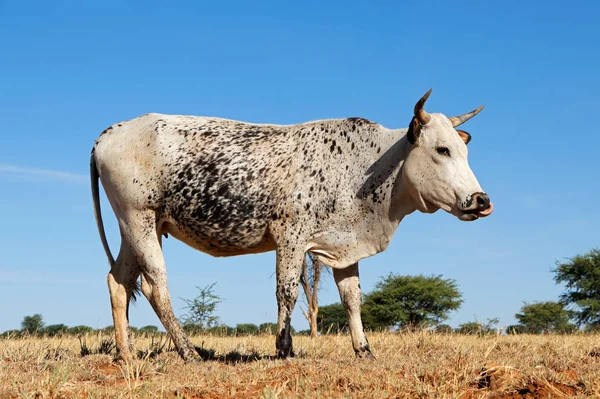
<point x="232" y="357"/>
<point x="206" y="354"/>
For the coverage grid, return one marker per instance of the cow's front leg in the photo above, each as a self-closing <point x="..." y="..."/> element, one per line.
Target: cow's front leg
<point x="289" y="265"/>
<point x="349" y="287"/>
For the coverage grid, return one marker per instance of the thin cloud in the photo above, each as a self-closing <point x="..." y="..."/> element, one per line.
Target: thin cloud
<point x="46" y="173"/>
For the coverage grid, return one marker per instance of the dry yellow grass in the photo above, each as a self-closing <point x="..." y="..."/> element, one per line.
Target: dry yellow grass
<point x="411" y="365"/>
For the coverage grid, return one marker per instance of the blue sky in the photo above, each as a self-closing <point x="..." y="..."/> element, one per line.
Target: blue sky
<point x="70" y="69"/>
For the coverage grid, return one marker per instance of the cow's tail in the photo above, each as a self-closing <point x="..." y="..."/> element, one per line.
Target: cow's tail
<point x="95" y="178"/>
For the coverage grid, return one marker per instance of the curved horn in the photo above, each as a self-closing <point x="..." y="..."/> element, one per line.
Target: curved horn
<point x="420" y="113"/>
<point x="459" y="120"/>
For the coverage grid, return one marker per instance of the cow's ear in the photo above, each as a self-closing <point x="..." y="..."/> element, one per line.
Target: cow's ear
<point x="466" y="137"/>
<point x="414" y="130"/>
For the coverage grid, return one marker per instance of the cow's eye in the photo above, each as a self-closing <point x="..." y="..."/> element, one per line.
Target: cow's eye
<point x="443" y="151"/>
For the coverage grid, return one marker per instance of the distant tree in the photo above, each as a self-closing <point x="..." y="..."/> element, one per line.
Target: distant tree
<point x="477" y="328"/>
<point x="220" y="331"/>
<point x="491" y="326"/>
<point x="11" y="334"/>
<point x="592" y="328"/>
<point x="192" y="329"/>
<point x="581" y="275"/>
<point x="201" y="310"/>
<point x="246" y="329"/>
<point x="268" y="328"/>
<point x="55" y="329"/>
<point x="332" y="318"/>
<point x="148" y="330"/>
<point x="545" y="317"/>
<point x="309" y="279"/>
<point x="109" y="330"/>
<point x="515" y="329"/>
<point x="32" y="324"/>
<point x="443" y="329"/>
<point x="410" y="301"/>
<point x="80" y="330"/>
<point x="271" y="329"/>
<point x="471" y="328"/>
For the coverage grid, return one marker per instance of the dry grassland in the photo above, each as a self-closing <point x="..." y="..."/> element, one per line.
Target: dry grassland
<point x="408" y="365"/>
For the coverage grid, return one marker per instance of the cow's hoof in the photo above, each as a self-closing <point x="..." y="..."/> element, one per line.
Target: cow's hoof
<point x="365" y="354"/>
<point x="123" y="357"/>
<point x="123" y="360"/>
<point x="285" y="353"/>
<point x="189" y="355"/>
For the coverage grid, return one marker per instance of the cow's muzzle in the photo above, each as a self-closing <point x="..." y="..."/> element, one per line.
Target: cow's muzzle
<point x="479" y="206"/>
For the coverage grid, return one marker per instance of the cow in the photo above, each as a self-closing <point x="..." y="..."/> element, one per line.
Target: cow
<point x="337" y="188"/>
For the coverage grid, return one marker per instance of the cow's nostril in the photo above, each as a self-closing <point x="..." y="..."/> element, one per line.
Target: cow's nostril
<point x="483" y="201"/>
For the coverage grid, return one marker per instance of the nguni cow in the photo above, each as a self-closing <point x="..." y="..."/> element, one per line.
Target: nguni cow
<point x="337" y="188"/>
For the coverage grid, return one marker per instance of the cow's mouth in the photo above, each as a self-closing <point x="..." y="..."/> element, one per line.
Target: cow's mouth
<point x="476" y="213"/>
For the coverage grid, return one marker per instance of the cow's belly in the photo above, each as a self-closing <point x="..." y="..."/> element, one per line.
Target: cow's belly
<point x="218" y="215"/>
<point x="247" y="238"/>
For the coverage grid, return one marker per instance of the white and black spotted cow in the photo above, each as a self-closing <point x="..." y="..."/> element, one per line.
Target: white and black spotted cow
<point x="337" y="188"/>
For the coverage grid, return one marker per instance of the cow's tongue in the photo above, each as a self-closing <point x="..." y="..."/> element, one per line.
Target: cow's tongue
<point x="487" y="211"/>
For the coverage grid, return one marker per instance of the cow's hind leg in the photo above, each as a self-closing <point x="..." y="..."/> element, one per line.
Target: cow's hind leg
<point x="349" y="287"/>
<point x="142" y="231"/>
<point x="122" y="286"/>
<point x="189" y="352"/>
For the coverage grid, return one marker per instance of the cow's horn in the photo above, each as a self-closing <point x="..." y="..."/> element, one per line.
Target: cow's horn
<point x="459" y="120"/>
<point x="420" y="113"/>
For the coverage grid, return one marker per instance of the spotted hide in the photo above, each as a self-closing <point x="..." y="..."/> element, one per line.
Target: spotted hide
<point x="337" y="188"/>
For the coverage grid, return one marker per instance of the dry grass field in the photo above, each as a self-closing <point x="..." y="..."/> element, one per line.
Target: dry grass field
<point x="408" y="365"/>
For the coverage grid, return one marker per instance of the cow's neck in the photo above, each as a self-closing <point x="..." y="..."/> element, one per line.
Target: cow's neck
<point x="381" y="198"/>
<point x="385" y="190"/>
<point x="402" y="203"/>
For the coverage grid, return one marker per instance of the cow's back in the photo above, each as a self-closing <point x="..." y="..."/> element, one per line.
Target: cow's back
<point x="220" y="185"/>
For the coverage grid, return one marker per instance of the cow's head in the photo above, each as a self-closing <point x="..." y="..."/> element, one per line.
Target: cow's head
<point x="436" y="169"/>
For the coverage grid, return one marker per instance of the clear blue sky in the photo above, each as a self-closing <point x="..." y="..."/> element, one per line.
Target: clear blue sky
<point x="69" y="69"/>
